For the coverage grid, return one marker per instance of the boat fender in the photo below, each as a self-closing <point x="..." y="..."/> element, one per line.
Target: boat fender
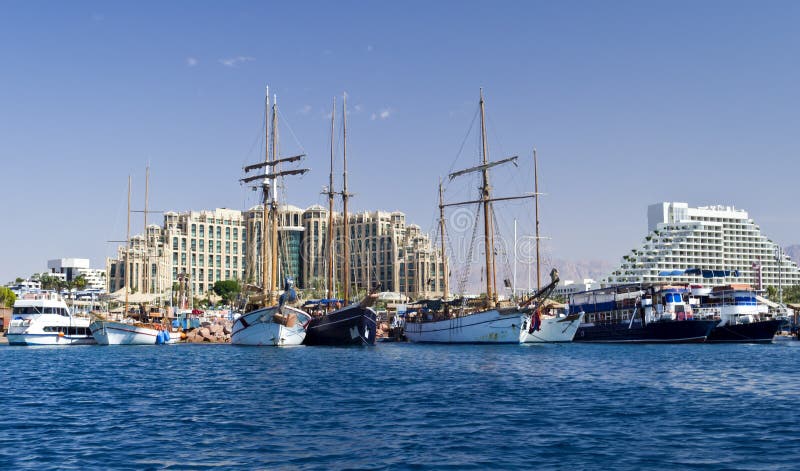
<point x="160" y="338"/>
<point x="166" y="336"/>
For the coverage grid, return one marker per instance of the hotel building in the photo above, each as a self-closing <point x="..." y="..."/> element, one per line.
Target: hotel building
<point x="209" y="246"/>
<point x="721" y="241"/>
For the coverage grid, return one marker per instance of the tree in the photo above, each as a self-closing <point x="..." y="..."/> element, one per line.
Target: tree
<point x="19" y="280"/>
<point x="79" y="283"/>
<point x="7" y="297"/>
<point x="227" y="290"/>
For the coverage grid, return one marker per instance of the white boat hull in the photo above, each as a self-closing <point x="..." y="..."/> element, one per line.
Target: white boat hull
<point x="257" y="328"/>
<point x="49" y="339"/>
<point x="556" y="329"/>
<point x="120" y="333"/>
<point x="482" y="327"/>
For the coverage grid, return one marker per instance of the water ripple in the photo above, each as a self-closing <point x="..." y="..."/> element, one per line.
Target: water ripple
<point x="401" y="406"/>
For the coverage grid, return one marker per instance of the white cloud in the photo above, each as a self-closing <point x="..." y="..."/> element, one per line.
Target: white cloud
<point x="358" y="108"/>
<point x="305" y="109"/>
<point x="382" y="114"/>
<point x="234" y="61"/>
<point x="191" y="61"/>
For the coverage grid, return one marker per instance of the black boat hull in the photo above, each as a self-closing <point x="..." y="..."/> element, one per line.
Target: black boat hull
<point x="754" y="332"/>
<point x="350" y="326"/>
<point x="655" y="332"/>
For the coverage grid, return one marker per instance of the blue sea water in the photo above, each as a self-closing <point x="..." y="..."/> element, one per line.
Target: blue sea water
<point x="567" y="406"/>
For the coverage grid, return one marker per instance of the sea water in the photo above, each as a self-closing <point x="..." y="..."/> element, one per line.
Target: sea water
<point x="564" y="406"/>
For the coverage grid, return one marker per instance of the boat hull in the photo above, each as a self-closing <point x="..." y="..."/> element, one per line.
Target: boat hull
<point x="120" y="333"/>
<point x="655" y="332"/>
<point x="352" y="325"/>
<point x="556" y="329"/>
<point x="49" y="339"/>
<point x="257" y="328"/>
<point x="482" y="327"/>
<point x="753" y="332"/>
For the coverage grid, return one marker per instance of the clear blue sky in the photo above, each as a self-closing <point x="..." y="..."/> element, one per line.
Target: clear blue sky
<point x="628" y="103"/>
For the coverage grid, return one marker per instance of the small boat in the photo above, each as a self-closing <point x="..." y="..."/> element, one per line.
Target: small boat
<point x="741" y="317"/>
<point x="638" y="313"/>
<point x="546" y="328"/>
<point x="555" y="328"/>
<point x="127" y="333"/>
<point x="46" y="320"/>
<point x="355" y="324"/>
<point x="279" y="326"/>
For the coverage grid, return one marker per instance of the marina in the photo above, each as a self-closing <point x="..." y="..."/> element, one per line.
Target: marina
<point x="473" y="235"/>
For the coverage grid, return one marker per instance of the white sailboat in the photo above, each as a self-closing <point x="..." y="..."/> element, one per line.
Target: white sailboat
<point x="128" y="331"/>
<point x="546" y="328"/>
<point x="276" y="324"/>
<point x="489" y="323"/>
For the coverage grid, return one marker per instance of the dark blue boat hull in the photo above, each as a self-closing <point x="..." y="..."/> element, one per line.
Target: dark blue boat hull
<point x="352" y="325"/>
<point x="654" y="332"/>
<point x="754" y="332"/>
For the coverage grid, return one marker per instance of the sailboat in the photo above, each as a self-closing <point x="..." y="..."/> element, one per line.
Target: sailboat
<point x="489" y="322"/>
<point x="128" y="331"/>
<point x="356" y="323"/>
<point x="271" y="321"/>
<point x="546" y="328"/>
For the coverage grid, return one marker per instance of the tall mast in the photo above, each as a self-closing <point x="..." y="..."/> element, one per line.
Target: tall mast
<point x="265" y="200"/>
<point x="274" y="213"/>
<point x="487" y="230"/>
<point x="128" y="269"/>
<point x="144" y="257"/>
<point x="441" y="230"/>
<point x="536" y="192"/>
<point x="345" y="196"/>
<point x="329" y="248"/>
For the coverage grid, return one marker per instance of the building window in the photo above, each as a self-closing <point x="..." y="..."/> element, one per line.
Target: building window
<point x="227" y="233"/>
<point x="202" y="230"/>
<point x="210" y="232"/>
<point x="194" y="230"/>
<point x="174" y="243"/>
<point x="219" y="232"/>
<point x="183" y="244"/>
<point x="235" y="248"/>
<point x="227" y="247"/>
<point x="219" y="247"/>
<point x="194" y="245"/>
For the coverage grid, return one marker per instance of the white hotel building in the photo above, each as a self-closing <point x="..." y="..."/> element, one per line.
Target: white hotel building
<point x="716" y="238"/>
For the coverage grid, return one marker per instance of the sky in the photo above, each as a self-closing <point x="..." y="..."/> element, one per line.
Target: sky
<point x="627" y="103"/>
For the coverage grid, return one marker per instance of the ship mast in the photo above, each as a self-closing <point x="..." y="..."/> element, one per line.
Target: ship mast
<point x="345" y="196"/>
<point x="441" y="230"/>
<point x="128" y="269"/>
<point x="275" y="284"/>
<point x="536" y="191"/>
<point x="144" y="256"/>
<point x="329" y="248"/>
<point x="487" y="228"/>
<point x="265" y="200"/>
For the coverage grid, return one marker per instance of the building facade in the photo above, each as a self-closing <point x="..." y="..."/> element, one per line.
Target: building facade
<point x="69" y="269"/>
<point x="210" y="246"/>
<point x="718" y="244"/>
